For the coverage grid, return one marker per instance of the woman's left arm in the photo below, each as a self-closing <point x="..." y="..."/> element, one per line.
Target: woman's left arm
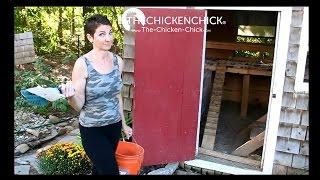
<point x="126" y="129"/>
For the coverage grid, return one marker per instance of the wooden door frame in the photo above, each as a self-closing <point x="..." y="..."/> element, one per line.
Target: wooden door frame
<point x="276" y="89"/>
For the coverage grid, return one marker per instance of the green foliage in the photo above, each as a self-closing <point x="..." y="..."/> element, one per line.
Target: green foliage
<point x="128" y="119"/>
<point x="45" y="110"/>
<point x="64" y="159"/>
<point x="78" y="140"/>
<point x="41" y="67"/>
<point x="69" y="58"/>
<point x="260" y="40"/>
<point x="39" y="75"/>
<point x="21" y="102"/>
<point x="31" y="78"/>
<point x="61" y="105"/>
<point x="50" y="40"/>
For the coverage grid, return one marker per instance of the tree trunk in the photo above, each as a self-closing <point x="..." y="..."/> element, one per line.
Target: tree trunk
<point x="72" y="22"/>
<point x="60" y="26"/>
<point x="86" y="10"/>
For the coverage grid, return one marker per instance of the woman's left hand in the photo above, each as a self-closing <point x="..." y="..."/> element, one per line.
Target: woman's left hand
<point x="127" y="131"/>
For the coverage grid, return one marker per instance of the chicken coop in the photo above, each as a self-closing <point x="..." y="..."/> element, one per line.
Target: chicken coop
<point x="229" y="96"/>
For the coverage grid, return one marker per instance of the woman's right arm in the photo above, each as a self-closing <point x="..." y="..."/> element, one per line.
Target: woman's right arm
<point x="75" y="90"/>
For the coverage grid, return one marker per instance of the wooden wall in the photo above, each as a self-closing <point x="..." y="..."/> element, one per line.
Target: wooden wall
<point x="259" y="89"/>
<point x="222" y="33"/>
<point x="292" y="148"/>
<point x="128" y="71"/>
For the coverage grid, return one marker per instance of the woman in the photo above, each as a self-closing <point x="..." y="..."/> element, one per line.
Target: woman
<point x="95" y="92"/>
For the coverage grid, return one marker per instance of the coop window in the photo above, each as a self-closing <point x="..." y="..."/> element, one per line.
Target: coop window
<point x="264" y="35"/>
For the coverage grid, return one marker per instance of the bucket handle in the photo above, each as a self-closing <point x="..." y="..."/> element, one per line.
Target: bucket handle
<point x="134" y="140"/>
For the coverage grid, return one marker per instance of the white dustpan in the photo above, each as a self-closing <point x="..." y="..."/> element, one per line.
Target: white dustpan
<point x="50" y="94"/>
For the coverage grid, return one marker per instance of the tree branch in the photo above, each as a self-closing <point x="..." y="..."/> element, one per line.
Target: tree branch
<point x="114" y="12"/>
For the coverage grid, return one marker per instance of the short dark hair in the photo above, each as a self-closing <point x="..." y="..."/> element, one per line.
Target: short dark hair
<point x="94" y="21"/>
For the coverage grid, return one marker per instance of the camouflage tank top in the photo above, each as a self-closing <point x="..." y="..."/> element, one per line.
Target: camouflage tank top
<point x="101" y="105"/>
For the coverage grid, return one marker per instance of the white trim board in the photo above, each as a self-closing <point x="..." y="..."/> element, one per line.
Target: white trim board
<point x="201" y="81"/>
<point x="277" y="82"/>
<point x="222" y="168"/>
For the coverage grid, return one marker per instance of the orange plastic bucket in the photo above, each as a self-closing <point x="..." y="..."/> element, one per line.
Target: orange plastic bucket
<point x="129" y="157"/>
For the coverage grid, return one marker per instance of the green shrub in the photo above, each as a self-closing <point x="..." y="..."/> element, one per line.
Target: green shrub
<point x="31" y="78"/>
<point x="61" y="105"/>
<point x="39" y="75"/>
<point x="128" y="119"/>
<point x="69" y="58"/>
<point x="258" y="40"/>
<point x="41" y="67"/>
<point x="64" y="159"/>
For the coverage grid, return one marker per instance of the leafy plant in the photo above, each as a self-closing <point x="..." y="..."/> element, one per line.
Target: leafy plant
<point x="30" y="78"/>
<point x="39" y="75"/>
<point x="21" y="102"/>
<point x="61" y="105"/>
<point x="258" y="40"/>
<point x="41" y="67"/>
<point x="55" y="29"/>
<point x="69" y="58"/>
<point x="64" y="159"/>
<point x="78" y="140"/>
<point x="128" y="119"/>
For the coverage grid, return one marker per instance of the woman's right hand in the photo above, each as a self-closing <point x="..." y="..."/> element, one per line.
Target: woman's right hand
<point x="68" y="89"/>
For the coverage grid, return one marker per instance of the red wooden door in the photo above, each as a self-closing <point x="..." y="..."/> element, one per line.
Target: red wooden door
<point x="167" y="88"/>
